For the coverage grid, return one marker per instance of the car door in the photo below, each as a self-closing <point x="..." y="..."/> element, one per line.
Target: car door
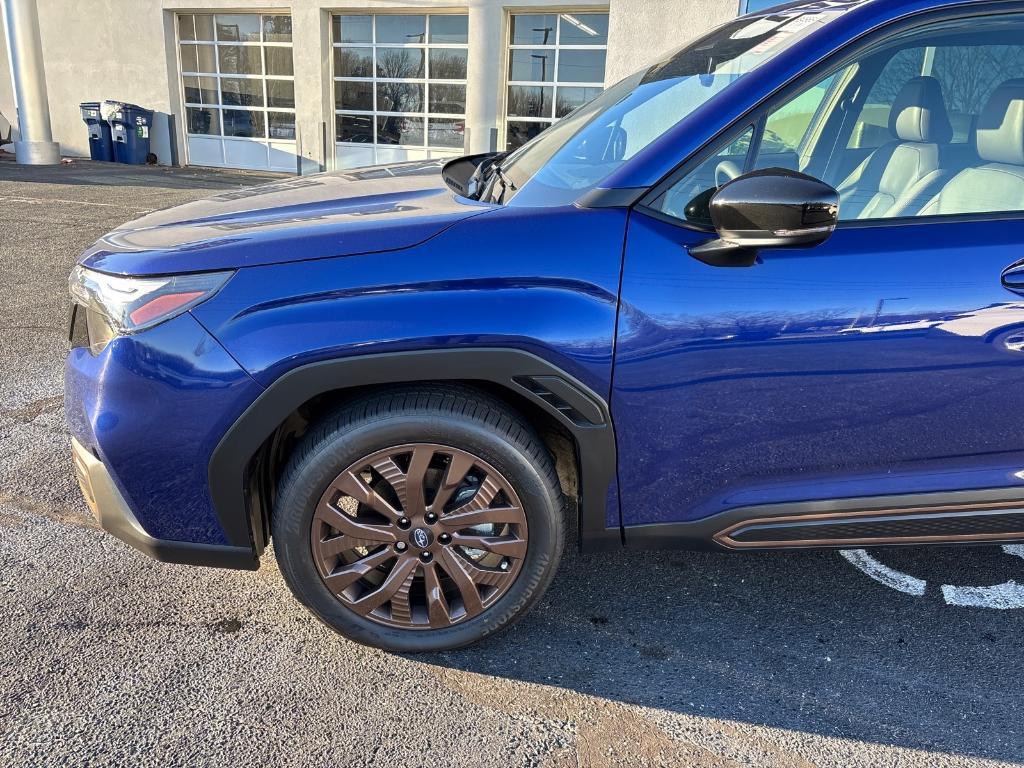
<point x="887" y="361"/>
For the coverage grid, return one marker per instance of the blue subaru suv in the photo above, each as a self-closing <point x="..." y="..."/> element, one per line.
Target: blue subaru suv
<point x="764" y="294"/>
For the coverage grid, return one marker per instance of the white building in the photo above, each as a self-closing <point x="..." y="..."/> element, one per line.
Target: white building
<point x="310" y="84"/>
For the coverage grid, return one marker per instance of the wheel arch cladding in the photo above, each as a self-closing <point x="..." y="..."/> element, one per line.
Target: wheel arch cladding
<point x="582" y="413"/>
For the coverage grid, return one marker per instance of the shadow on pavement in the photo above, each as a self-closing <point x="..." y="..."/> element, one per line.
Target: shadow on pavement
<point x="799" y="641"/>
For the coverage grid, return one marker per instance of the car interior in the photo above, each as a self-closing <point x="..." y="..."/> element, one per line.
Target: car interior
<point x="931" y="126"/>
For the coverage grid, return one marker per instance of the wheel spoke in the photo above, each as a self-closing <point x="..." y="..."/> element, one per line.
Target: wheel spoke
<point x="408" y="485"/>
<point x="437" y="606"/>
<point x="351" y="484"/>
<point x="491" y="577"/>
<point x="347" y="575"/>
<point x="496" y="516"/>
<point x="401" y="608"/>
<point x="358" y="534"/>
<point x="508" y="546"/>
<point x="457" y="567"/>
<point x="403" y="572"/>
<point x="454" y="476"/>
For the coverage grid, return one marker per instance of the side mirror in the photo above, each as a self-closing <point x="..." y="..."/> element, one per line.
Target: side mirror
<point x="772" y="208"/>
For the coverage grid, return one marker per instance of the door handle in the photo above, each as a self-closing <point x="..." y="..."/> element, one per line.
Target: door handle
<point x="1013" y="277"/>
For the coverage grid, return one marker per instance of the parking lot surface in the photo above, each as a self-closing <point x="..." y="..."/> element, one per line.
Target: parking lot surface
<point x="682" y="659"/>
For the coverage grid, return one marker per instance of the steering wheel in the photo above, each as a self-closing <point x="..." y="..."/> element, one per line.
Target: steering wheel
<point x="726" y="171"/>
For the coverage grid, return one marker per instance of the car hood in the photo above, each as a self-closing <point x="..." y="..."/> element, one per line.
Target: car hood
<point x="385" y="208"/>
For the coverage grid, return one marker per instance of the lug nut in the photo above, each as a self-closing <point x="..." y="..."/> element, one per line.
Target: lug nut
<point x="430" y="518"/>
<point x="401" y="546"/>
<point x="445" y="538"/>
<point x="403" y="522"/>
<point x="426" y="557"/>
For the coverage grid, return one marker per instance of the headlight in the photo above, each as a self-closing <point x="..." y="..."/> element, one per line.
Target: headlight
<point x="117" y="305"/>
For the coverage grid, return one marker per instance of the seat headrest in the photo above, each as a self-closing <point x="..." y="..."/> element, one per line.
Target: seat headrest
<point x="1001" y="125"/>
<point x="919" y="113"/>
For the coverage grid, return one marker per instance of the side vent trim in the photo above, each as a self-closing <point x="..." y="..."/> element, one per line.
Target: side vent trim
<point x="576" y="406"/>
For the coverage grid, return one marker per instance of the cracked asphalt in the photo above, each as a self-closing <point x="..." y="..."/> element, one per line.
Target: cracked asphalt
<point x="681" y="659"/>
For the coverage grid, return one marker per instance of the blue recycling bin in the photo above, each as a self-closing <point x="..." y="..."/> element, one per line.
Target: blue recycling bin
<point x="130" y="127"/>
<point x="101" y="145"/>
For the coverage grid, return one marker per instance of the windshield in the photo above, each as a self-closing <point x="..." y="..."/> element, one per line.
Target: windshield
<point x="576" y="153"/>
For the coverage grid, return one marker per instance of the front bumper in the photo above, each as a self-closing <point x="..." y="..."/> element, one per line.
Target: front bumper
<point x="110" y="510"/>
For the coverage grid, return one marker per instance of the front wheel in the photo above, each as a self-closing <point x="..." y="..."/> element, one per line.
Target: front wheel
<point x="420" y="519"/>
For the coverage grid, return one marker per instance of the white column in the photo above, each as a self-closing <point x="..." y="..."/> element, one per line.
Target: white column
<point x="36" y="145"/>
<point x="311" y="56"/>
<point x="484" y="70"/>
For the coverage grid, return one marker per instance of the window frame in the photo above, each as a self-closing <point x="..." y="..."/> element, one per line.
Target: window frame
<point x="555" y="83"/>
<point x="843" y="57"/>
<point x="424" y="114"/>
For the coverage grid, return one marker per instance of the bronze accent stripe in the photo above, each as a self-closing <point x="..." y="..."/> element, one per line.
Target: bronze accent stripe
<point x="725" y="537"/>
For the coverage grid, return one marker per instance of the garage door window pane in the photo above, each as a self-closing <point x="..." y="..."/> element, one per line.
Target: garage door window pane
<point x="449" y="29"/>
<point x="281" y="93"/>
<point x="529" y="101"/>
<point x="446" y="133"/>
<point x="353" y="29"/>
<point x="353" y="62"/>
<point x="279" y="61"/>
<point x="239" y="92"/>
<point x="581" y="66"/>
<point x="400" y="62"/>
<point x="204" y="26"/>
<point x="532" y="65"/>
<point x="448" y="99"/>
<point x="447" y="64"/>
<point x="203" y="121"/>
<point x="189" y="59"/>
<point x="246" y="123"/>
<point x="399" y="97"/>
<point x="355" y="128"/>
<point x="400" y="130"/>
<point x="240" y="60"/>
<point x="244" y="27"/>
<point x="534" y="29"/>
<point x="401" y="29"/>
<point x="569" y="99"/>
<point x="277" y="29"/>
<point x="583" y="29"/>
<point x="353" y="95"/>
<point x="281" y="125"/>
<point x="186" y="27"/>
<point x="519" y="132"/>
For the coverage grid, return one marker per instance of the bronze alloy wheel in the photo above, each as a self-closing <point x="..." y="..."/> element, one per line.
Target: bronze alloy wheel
<point x="419" y="536"/>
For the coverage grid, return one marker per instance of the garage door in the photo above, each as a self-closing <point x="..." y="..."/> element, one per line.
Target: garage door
<point x="238" y="87"/>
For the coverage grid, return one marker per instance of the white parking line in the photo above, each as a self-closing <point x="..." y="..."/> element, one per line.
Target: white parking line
<point x="882" y="573"/>
<point x="38" y="200"/>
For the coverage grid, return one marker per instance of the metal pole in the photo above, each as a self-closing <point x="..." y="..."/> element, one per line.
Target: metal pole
<point x="36" y="145"/>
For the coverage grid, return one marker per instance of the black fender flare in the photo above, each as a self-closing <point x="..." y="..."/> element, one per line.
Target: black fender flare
<point x="571" y="403"/>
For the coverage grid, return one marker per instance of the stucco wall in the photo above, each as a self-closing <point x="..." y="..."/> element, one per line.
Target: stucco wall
<point x="641" y="31"/>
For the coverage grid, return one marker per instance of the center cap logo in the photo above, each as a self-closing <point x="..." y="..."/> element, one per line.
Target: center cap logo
<point x="421" y="538"/>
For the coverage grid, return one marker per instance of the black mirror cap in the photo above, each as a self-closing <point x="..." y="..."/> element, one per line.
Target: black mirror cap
<point x="463" y="175"/>
<point x="775" y="208"/>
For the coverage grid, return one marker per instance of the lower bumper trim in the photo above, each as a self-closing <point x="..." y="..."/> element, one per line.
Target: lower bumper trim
<point x="112" y="512"/>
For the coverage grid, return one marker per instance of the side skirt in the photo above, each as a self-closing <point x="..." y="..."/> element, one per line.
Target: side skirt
<point x="987" y="516"/>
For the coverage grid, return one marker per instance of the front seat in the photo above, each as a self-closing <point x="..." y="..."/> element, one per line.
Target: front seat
<point x="997" y="184"/>
<point x="900" y="176"/>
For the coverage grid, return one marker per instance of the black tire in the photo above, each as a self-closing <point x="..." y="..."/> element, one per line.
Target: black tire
<point x="460" y="417"/>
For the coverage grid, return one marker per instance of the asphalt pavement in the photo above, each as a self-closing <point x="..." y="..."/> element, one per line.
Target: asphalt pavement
<point x="681" y="659"/>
